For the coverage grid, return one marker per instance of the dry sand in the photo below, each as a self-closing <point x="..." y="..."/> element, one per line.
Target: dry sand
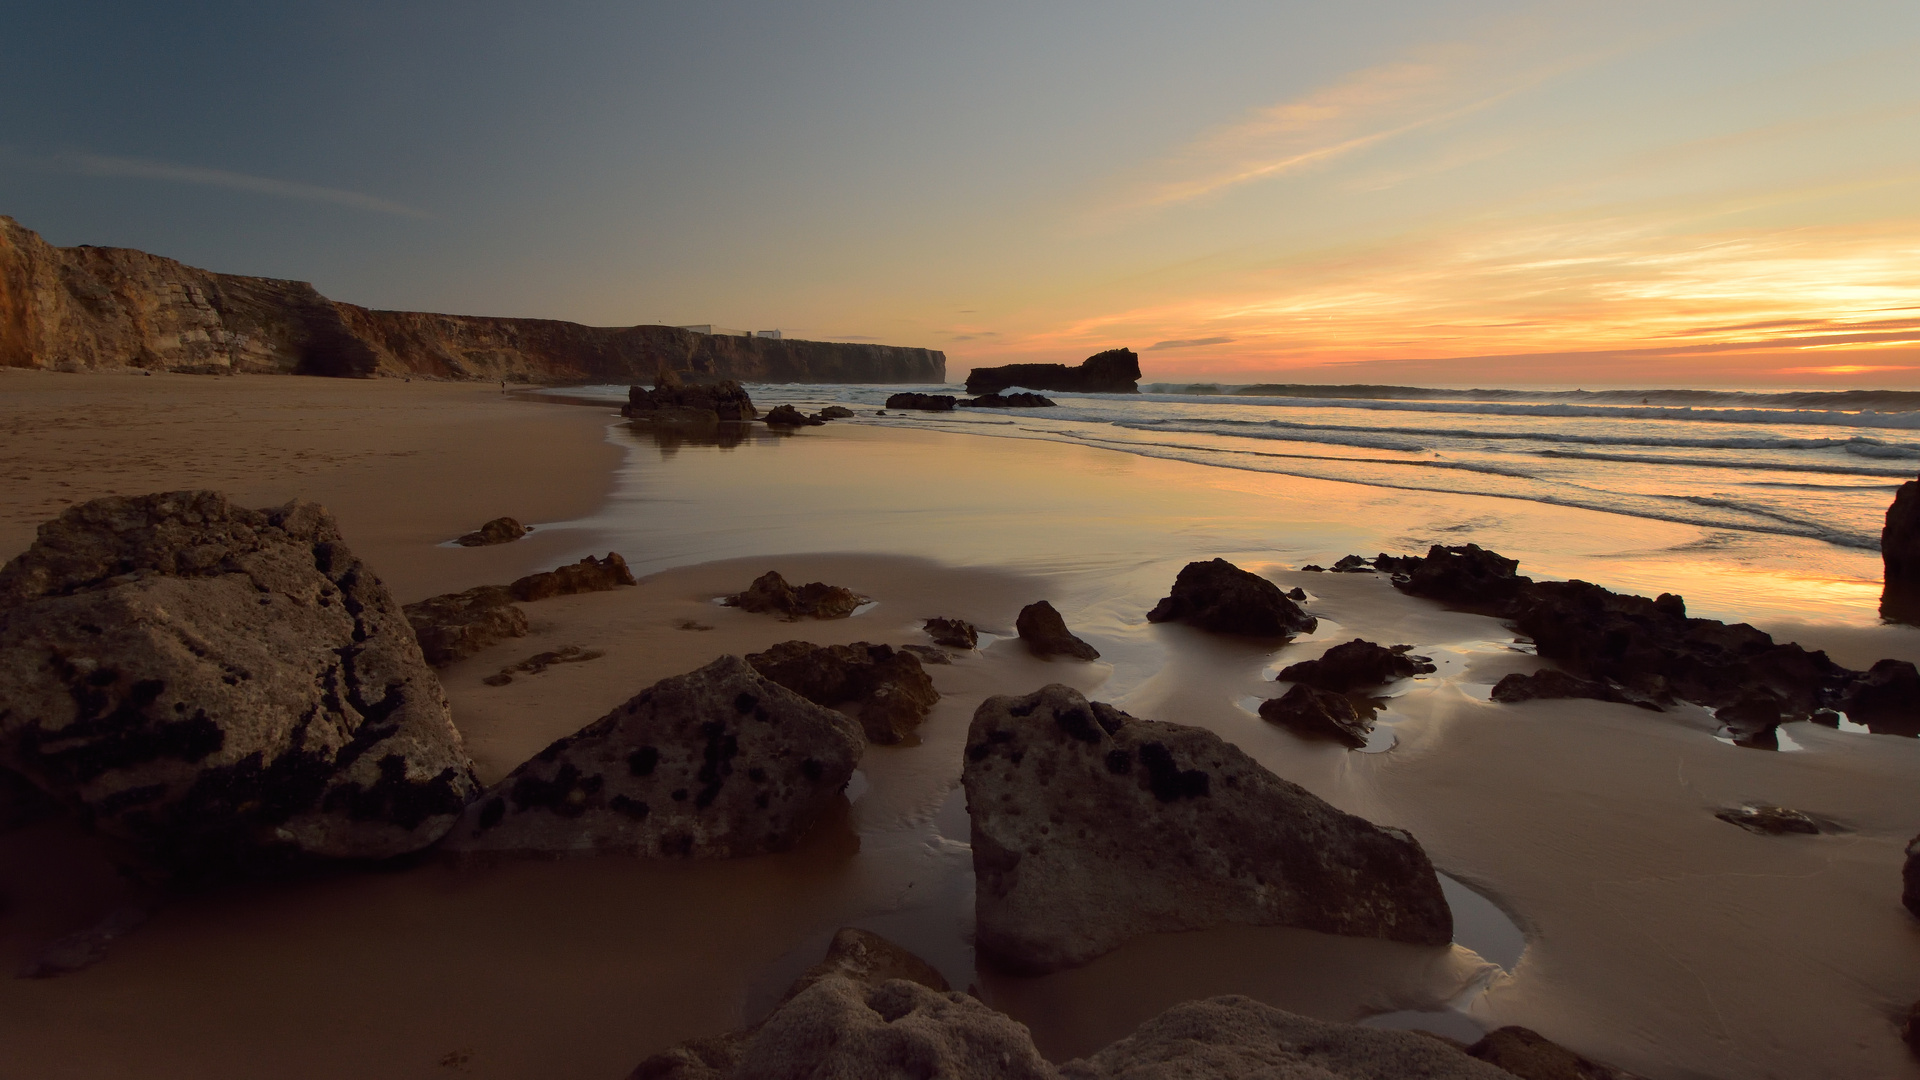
<point x="1657" y="937"/>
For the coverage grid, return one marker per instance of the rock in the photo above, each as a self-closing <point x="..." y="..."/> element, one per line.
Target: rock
<point x="83" y="948"/>
<point x="454" y="626"/>
<point x="1225" y="599"/>
<point x="955" y="632"/>
<point x="1910" y="1028"/>
<point x="866" y="957"/>
<point x="1468" y="577"/>
<point x="836" y="412"/>
<point x="1353" y="564"/>
<point x="923" y="402"/>
<point x="1238" y="1037"/>
<point x="927" y="654"/>
<point x="1296" y="594"/>
<point x="1900" y="555"/>
<point x="1116" y="371"/>
<point x="1769" y="820"/>
<point x="788" y="416"/>
<point x="1549" y="683"/>
<point x="587" y="575"/>
<point x="1008" y="401"/>
<point x="1357" y="665"/>
<point x="1910" y="877"/>
<point x="1527" y="1054"/>
<point x="1310" y="568"/>
<point x="672" y="400"/>
<point x="222" y="687"/>
<point x="1886" y="698"/>
<point x="1091" y="827"/>
<point x="1752" y="720"/>
<point x="715" y="763"/>
<point x="1315" y="712"/>
<point x="501" y="530"/>
<point x="1046" y="633"/>
<point x="771" y="595"/>
<point x="21" y="804"/>
<point x="539" y="662"/>
<point x="886" y="691"/>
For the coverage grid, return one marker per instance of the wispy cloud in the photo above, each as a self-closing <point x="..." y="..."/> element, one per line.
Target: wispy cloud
<point x="1188" y="343"/>
<point x="144" y="169"/>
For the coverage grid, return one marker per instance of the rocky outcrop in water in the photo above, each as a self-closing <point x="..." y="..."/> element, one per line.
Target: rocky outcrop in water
<point x="715" y="763"/>
<point x="1045" y="633"/>
<point x="501" y="530"/>
<point x="1091" y="827"/>
<point x="1900" y="554"/>
<point x="922" y="402"/>
<point x="1219" y="596"/>
<point x="675" y="400"/>
<point x="1319" y="713"/>
<point x="771" y="595"/>
<point x="886" y="690"/>
<point x="222" y="687"/>
<point x="87" y="308"/>
<point x="1008" y="401"/>
<point x="1357" y="665"/>
<point x="1116" y="371"/>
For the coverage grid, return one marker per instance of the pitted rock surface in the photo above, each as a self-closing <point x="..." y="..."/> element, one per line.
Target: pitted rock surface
<point x="1357" y="665"/>
<point x="711" y="764"/>
<point x="454" y="626"/>
<point x="221" y="685"/>
<point x="886" y="690"/>
<point x="1219" y="596"/>
<point x="1091" y="827"/>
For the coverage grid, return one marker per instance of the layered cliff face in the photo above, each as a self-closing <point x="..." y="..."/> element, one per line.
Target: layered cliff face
<point x="88" y="308"/>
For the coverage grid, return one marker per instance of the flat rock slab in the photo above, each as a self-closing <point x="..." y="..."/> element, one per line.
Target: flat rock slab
<point x="715" y="763"/>
<point x="1091" y="827"/>
<point x="222" y="686"/>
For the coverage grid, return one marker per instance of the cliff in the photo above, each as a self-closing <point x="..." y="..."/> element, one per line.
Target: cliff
<point x="1116" y="371"/>
<point x="88" y="308"/>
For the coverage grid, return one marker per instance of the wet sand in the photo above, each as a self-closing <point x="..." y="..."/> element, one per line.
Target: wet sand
<point x="1657" y="937"/>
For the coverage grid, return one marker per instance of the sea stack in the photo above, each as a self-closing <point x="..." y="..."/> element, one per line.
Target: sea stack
<point x="1116" y="371"/>
<point x="1900" y="552"/>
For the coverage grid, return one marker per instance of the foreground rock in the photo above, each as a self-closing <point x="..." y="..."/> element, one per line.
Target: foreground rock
<point x="887" y="691"/>
<point x="958" y="633"/>
<point x="1219" y="596"/>
<point x="1045" y="633"/>
<point x="1357" y="665"/>
<point x="222" y="686"/>
<point x="715" y="763"/>
<point x="1091" y="827"/>
<point x="923" y="402"/>
<point x="1319" y="714"/>
<point x="1008" y="401"/>
<point x="1900" y="555"/>
<point x="1529" y="1055"/>
<point x="1116" y="371"/>
<point x="771" y="595"/>
<point x="501" y="530"/>
<point x="454" y="626"/>
<point x="1551" y="683"/>
<point x="1886" y="698"/>
<point x="672" y="400"/>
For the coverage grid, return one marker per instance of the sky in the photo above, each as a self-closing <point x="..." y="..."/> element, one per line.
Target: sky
<point x="1403" y="191"/>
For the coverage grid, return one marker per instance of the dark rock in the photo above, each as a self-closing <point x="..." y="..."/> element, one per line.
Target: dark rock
<point x="1529" y="1055"/>
<point x="1900" y="554"/>
<point x="83" y="948"/>
<point x="1091" y="827"/>
<point x="955" y="632"/>
<point x="1886" y="698"/>
<point x="1468" y="577"/>
<point x="771" y="595"/>
<point x="1910" y="1028"/>
<point x="1752" y="721"/>
<point x="928" y="654"/>
<point x="501" y="530"/>
<point x="673" y="400"/>
<point x="539" y="662"/>
<point x="454" y="626"/>
<point x="1116" y="371"/>
<point x="21" y="804"/>
<point x="1008" y="401"/>
<point x="1910" y="877"/>
<point x="715" y="763"/>
<point x="587" y="575"/>
<point x="1771" y="820"/>
<point x="1297" y="594"/>
<point x="886" y="691"/>
<point x="1396" y="564"/>
<point x="836" y="412"/>
<point x="923" y="402"/>
<point x="1549" y="683"/>
<point x="1353" y="564"/>
<point x="1315" y="712"/>
<point x="1357" y="665"/>
<point x="1219" y="596"/>
<point x="866" y="957"/>
<point x="1310" y="568"/>
<point x="788" y="416"/>
<point x="1046" y="633"/>
<point x="224" y="688"/>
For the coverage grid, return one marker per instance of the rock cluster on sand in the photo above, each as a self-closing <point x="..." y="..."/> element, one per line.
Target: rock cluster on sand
<point x="672" y="400"/>
<point x="923" y="402"/>
<point x="886" y="690"/>
<point x="221" y="685"/>
<point x="1045" y="633"/>
<point x="958" y="633"/>
<point x="1116" y="371"/>
<point x="1091" y="827"/>
<point x="454" y="626"/>
<point x="1219" y="596"/>
<point x="1008" y="401"/>
<point x="1320" y="714"/>
<point x="715" y="763"/>
<point x="1357" y="665"/>
<point x="1900" y="554"/>
<point x="771" y="595"/>
<point x="788" y="416"/>
<point x="501" y="530"/>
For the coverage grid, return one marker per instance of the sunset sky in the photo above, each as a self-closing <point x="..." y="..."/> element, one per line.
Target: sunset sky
<point x="1390" y="191"/>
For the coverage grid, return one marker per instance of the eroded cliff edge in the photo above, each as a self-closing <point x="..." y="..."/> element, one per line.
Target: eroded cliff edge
<point x="89" y="308"/>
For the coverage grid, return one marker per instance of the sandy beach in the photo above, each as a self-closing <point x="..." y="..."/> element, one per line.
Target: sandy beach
<point x="1656" y="937"/>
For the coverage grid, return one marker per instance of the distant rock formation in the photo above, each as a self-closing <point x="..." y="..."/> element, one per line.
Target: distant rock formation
<point x="1900" y="552"/>
<point x="923" y="402"/>
<point x="1116" y="371"/>
<point x="87" y="308"/>
<point x="1008" y="401"/>
<point x="674" y="400"/>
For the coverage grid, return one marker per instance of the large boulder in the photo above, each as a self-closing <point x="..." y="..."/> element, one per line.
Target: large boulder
<point x="1219" y="596"/>
<point x="1045" y="633"/>
<point x="1900" y="554"/>
<point x="1357" y="665"/>
<point x="1115" y="371"/>
<point x="1091" y="827"/>
<point x="587" y="575"/>
<point x="1318" y="713"/>
<point x="1886" y="698"/>
<point x="771" y="595"/>
<point x="788" y="416"/>
<point x="501" y="530"/>
<point x="454" y="626"/>
<point x="673" y="400"/>
<point x="1467" y="577"/>
<point x="1008" y="401"/>
<point x="711" y="764"/>
<point x="222" y="686"/>
<point x="885" y="689"/>
<point x="922" y="402"/>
